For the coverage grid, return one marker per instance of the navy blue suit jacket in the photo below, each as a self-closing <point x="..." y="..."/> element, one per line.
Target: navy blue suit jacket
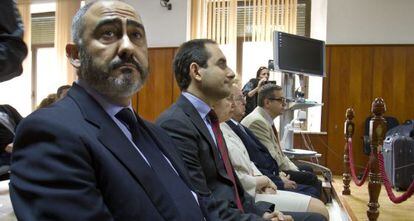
<point x="259" y="154"/>
<point x="72" y="162"/>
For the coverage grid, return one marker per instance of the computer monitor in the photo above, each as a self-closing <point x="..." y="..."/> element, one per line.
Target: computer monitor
<point x="298" y="54"/>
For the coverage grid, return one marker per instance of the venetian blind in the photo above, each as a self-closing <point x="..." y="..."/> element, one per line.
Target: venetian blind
<point x="43" y="28"/>
<point x="254" y="20"/>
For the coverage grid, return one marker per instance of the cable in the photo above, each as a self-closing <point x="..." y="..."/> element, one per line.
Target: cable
<point x="338" y="157"/>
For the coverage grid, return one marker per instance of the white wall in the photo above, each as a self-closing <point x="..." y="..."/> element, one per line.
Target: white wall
<point x="370" y="22"/>
<point x="318" y="19"/>
<point x="164" y="28"/>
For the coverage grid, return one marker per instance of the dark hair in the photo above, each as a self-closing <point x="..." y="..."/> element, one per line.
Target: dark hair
<point x="189" y="52"/>
<point x="50" y="99"/>
<point x="78" y="23"/>
<point x="260" y="70"/>
<point x="266" y="92"/>
<point x="61" y="89"/>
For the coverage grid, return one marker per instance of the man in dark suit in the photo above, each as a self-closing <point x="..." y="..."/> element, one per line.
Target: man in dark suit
<point x="203" y="76"/>
<point x="88" y="156"/>
<point x="258" y="152"/>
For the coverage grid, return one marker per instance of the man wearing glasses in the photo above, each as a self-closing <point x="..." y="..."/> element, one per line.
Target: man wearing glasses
<point x="271" y="103"/>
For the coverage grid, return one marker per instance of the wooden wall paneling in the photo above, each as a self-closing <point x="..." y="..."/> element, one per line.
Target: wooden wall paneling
<point x="383" y="75"/>
<point x="325" y="92"/>
<point x="134" y="102"/>
<point x="393" y="75"/>
<point x="360" y="93"/>
<point x="349" y="86"/>
<point x="176" y="89"/>
<point x="409" y="85"/>
<point x="356" y="75"/>
<point x="156" y="95"/>
<point x="338" y="78"/>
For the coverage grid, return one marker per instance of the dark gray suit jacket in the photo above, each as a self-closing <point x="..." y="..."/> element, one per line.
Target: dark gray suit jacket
<point x="72" y="162"/>
<point x="208" y="175"/>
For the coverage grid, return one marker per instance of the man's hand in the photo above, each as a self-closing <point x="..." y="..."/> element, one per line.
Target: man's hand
<point x="289" y="184"/>
<point x="272" y="185"/>
<point x="261" y="82"/>
<point x="276" y="216"/>
<point x="284" y="177"/>
<point x="269" y="190"/>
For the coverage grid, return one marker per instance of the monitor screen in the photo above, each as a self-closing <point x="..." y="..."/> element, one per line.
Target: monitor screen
<point x="297" y="54"/>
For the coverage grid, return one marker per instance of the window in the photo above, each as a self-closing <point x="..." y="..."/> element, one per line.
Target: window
<point x="244" y="30"/>
<point x="45" y="80"/>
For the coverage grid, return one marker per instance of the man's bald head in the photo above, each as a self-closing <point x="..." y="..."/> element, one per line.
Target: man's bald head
<point x="78" y="21"/>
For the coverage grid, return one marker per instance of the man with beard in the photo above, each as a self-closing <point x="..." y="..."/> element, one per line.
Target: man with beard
<point x="88" y="156"/>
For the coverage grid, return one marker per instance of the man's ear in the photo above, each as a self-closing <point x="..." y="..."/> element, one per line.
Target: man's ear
<point x="266" y="103"/>
<point x="195" y="71"/>
<point x="72" y="53"/>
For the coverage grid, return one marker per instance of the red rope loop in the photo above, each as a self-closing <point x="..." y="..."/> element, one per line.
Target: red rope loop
<point x="388" y="185"/>
<point x="351" y="165"/>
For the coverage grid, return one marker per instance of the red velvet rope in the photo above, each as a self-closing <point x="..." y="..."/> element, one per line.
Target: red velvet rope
<point x="351" y="165"/>
<point x="388" y="186"/>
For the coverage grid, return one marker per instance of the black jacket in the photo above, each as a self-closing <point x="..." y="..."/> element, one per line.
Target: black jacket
<point x="12" y="48"/>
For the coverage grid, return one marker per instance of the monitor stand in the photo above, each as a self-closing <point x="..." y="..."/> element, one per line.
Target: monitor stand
<point x="288" y="85"/>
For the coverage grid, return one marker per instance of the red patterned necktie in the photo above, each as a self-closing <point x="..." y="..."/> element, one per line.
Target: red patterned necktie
<point x="224" y="155"/>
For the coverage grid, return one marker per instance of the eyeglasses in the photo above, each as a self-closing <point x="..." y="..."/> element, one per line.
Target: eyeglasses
<point x="281" y="99"/>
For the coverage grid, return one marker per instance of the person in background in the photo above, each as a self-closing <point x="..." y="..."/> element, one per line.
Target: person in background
<point x="12" y="48"/>
<point x="258" y="185"/>
<point x="47" y="101"/>
<point x="9" y="119"/>
<point x="271" y="104"/>
<point x="252" y="87"/>
<point x="89" y="156"/>
<point x="62" y="91"/>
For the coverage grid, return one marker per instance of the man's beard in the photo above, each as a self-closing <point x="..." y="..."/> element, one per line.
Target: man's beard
<point x="100" y="78"/>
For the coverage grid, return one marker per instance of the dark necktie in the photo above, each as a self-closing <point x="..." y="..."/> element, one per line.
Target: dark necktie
<point x="178" y="190"/>
<point x="277" y="138"/>
<point x="224" y="155"/>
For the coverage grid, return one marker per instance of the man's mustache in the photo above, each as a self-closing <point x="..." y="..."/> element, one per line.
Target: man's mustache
<point x="130" y="61"/>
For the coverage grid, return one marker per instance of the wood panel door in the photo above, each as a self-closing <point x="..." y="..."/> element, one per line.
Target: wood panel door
<point x="157" y="93"/>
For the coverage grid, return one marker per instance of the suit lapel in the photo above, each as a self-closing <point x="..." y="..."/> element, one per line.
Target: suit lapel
<point x="118" y="144"/>
<point x="190" y="111"/>
<point x="261" y="114"/>
<point x="108" y="132"/>
<point x="173" y="158"/>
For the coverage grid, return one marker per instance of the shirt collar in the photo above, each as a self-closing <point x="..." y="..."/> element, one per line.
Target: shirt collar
<point x="234" y="121"/>
<point x="201" y="106"/>
<point x="266" y="115"/>
<point x="110" y="108"/>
